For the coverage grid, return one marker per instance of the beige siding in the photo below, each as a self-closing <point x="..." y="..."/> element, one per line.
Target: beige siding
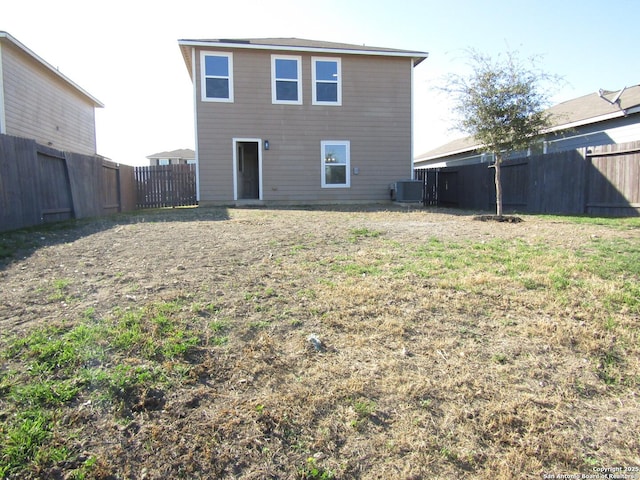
<point x="41" y="106"/>
<point x="375" y="117"/>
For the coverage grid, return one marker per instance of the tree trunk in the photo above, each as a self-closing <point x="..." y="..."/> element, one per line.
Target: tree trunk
<point x="498" y="186"/>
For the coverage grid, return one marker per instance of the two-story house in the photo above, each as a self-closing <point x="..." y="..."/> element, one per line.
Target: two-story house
<point x="285" y="120"/>
<point x="38" y="102"/>
<point x="182" y="156"/>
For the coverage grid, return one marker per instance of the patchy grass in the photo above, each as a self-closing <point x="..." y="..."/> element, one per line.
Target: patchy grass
<point x="451" y="348"/>
<point x="117" y="365"/>
<point x="612" y="222"/>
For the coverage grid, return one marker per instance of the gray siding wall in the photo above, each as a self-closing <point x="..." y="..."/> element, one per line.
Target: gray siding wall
<point x="375" y="117"/>
<point x="41" y="106"/>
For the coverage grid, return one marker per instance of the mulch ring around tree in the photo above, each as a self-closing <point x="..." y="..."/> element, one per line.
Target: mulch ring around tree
<point x="498" y="218"/>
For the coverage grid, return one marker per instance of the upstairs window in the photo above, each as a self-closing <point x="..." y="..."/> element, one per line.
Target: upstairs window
<point x="327" y="81"/>
<point x="335" y="163"/>
<point x="217" y="77"/>
<point x="286" y="80"/>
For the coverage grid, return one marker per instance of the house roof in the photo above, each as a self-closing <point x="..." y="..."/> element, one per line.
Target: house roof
<point x="6" y="37"/>
<point x="588" y="109"/>
<point x="181" y="153"/>
<point x="295" y="44"/>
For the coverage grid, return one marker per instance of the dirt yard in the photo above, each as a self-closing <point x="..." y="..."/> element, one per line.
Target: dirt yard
<point x="426" y="365"/>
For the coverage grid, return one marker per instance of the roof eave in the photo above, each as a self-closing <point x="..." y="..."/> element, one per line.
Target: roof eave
<point x="96" y="103"/>
<point x="186" y="56"/>
<point x="448" y="154"/>
<point x="417" y="57"/>
<point x="418" y="60"/>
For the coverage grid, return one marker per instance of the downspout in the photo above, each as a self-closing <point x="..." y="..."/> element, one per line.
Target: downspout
<point x="413" y="170"/>
<point x="3" y="120"/>
<point x="195" y="120"/>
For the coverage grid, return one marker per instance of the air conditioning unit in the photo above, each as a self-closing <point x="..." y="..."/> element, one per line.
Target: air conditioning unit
<point x="407" y="191"/>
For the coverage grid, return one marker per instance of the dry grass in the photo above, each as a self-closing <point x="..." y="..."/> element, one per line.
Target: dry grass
<point x="451" y="348"/>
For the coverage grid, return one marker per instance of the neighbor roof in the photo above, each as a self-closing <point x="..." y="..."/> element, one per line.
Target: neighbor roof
<point x="595" y="107"/>
<point x="592" y="108"/>
<point x="181" y="153"/>
<point x="296" y="44"/>
<point x="4" y="36"/>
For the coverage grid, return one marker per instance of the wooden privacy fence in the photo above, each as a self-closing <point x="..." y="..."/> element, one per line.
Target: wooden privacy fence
<point x="166" y="186"/>
<point x="613" y="187"/>
<point x="603" y="180"/>
<point x="39" y="184"/>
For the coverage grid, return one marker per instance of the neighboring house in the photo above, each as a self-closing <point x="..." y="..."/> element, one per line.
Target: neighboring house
<point x="174" y="157"/>
<point x="601" y="118"/>
<point x="285" y="120"/>
<point x="40" y="103"/>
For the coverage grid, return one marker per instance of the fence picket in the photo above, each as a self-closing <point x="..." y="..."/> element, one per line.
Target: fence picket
<point x="160" y="186"/>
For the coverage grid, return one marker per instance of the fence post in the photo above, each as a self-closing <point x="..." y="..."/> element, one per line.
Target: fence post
<point x="588" y="166"/>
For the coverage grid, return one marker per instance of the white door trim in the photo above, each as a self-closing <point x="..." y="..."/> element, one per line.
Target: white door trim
<point x="235" y="165"/>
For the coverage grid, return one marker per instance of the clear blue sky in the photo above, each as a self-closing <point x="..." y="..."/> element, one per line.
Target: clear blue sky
<point x="125" y="53"/>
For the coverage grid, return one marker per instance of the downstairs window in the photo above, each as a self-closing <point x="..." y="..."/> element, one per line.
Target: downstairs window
<point x="335" y="163"/>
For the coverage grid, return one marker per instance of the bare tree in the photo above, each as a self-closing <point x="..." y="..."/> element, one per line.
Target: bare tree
<point x="501" y="103"/>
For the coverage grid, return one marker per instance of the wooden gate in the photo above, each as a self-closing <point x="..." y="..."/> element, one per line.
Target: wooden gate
<point x="613" y="184"/>
<point x="166" y="186"/>
<point x="54" y="188"/>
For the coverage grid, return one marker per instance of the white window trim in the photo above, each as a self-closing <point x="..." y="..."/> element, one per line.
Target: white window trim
<point x="274" y="100"/>
<point x="323" y="145"/>
<point x="314" y="101"/>
<point x="203" y="77"/>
